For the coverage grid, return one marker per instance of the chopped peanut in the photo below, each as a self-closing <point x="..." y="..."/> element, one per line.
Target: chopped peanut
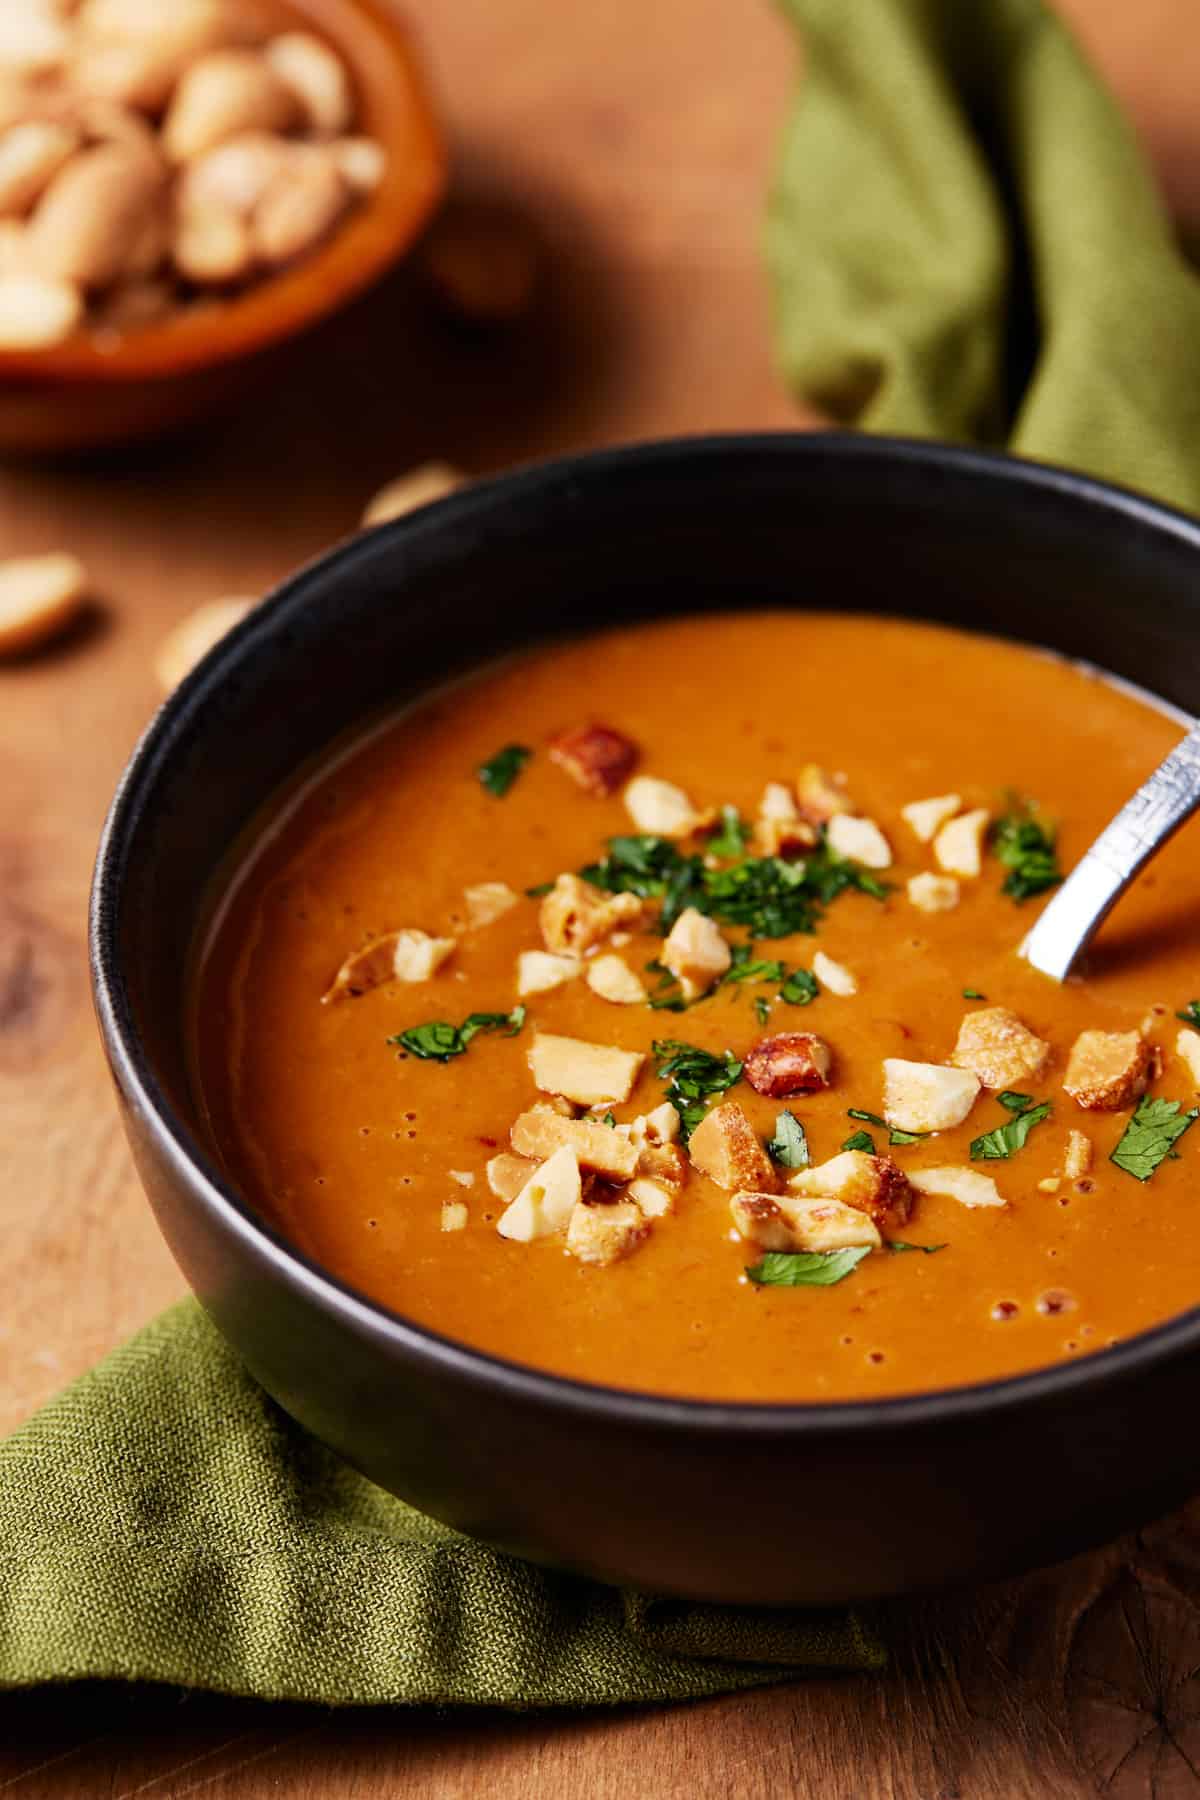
<point x="417" y="956"/>
<point x="833" y="975"/>
<point x="967" y="1186"/>
<point x="1108" y="1070"/>
<point x="958" y="846"/>
<point x="1187" y="1049"/>
<point x="926" y="1096"/>
<point x="597" y="757"/>
<point x="999" y="1049"/>
<point x="507" y="1174"/>
<point x="928" y="816"/>
<point x="779" y="827"/>
<point x="821" y="796"/>
<point x="778" y="803"/>
<point x="872" y="1184"/>
<point x="791" y="1062"/>
<point x="399" y="956"/>
<point x="725" y="1148"/>
<point x="588" y="1073"/>
<point x="859" y="840"/>
<point x="933" y="893"/>
<point x="1078" y="1158"/>
<point x="614" y="980"/>
<point x="575" y="915"/>
<point x="661" y="808"/>
<point x="454" y="1215"/>
<point x="1049" y="1184"/>
<point x="653" y="1200"/>
<point x="539" y="970"/>
<point x="664" y="1163"/>
<point x="597" y="1147"/>
<point x="695" y="952"/>
<point x="603" y="1233"/>
<point x="658" y="1127"/>
<point x="546" y="1202"/>
<point x="488" y="901"/>
<point x="786" y="1223"/>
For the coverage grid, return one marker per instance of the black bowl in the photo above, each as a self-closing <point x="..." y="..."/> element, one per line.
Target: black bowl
<point x="742" y="1503"/>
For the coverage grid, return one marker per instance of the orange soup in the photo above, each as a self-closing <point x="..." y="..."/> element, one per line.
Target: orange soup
<point x="647" y="1010"/>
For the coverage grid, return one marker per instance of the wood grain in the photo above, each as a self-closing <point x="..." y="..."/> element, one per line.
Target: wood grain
<point x="637" y="140"/>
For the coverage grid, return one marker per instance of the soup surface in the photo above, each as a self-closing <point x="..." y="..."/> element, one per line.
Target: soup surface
<point x="380" y="1160"/>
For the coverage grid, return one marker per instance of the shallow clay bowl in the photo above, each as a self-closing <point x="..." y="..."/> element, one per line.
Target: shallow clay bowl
<point x="83" y="393"/>
<point x="771" y="1504"/>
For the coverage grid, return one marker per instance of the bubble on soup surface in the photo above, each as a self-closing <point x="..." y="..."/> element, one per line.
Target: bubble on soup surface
<point x="1005" y="1309"/>
<point x="1055" y="1300"/>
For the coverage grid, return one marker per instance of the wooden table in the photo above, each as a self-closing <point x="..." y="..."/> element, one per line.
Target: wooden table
<point x="637" y="136"/>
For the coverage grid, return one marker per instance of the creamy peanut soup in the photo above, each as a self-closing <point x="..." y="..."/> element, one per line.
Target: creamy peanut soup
<point x="647" y="1010"/>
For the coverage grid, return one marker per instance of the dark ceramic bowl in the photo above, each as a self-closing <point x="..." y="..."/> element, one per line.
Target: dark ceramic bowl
<point x="816" y="1503"/>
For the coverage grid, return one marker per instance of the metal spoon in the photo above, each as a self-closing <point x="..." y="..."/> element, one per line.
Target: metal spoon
<point x="1164" y="802"/>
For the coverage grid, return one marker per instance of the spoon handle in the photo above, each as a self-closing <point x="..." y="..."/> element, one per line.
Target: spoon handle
<point x="1164" y="802"/>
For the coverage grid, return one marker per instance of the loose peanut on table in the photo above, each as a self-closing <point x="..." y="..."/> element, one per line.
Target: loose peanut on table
<point x="179" y="143"/>
<point x="429" y="481"/>
<point x="194" y="637"/>
<point x="39" y="595"/>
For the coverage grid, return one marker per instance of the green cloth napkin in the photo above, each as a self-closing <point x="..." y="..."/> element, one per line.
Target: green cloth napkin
<point x="965" y="242"/>
<point x="163" y="1520"/>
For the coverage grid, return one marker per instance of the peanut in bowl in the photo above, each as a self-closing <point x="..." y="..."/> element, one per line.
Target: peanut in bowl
<point x="367" y="184"/>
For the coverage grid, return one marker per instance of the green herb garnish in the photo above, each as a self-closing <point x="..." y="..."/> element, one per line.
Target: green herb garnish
<point x="1015" y="1102"/>
<point x="695" y="1077"/>
<point x="540" y="891"/>
<point x="1025" y="844"/>
<point x="898" y="1245"/>
<point x="1190" y="1014"/>
<point x="744" y="967"/>
<point x="1151" y="1135"/>
<point x="762" y="1009"/>
<point x="789" y="1146"/>
<point x="895" y="1134"/>
<point x="800" y="987"/>
<point x="439" y="1042"/>
<point x="501" y="770"/>
<point x="973" y="994"/>
<point x="1006" y="1140"/>
<point x="805" y="1268"/>
<point x="667" y="994"/>
<point x="609" y="1119"/>
<point x="730" y="839"/>
<point x="860" y="1140"/>
<point x="771" y="897"/>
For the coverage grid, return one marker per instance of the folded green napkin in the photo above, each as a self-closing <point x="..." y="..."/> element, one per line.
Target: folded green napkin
<point x="163" y="1520"/>
<point x="964" y="243"/>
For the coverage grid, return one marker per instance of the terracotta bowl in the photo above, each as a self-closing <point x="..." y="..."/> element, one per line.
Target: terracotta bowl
<point x="80" y="394"/>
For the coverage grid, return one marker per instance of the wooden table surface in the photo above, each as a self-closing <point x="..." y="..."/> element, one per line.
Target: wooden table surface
<point x="637" y="137"/>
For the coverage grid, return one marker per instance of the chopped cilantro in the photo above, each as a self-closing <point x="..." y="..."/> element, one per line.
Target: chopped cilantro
<point x="667" y="994"/>
<point x="860" y="1140"/>
<point x="762" y="1009"/>
<point x="789" y="1146"/>
<point x="501" y="770"/>
<point x="895" y="1134"/>
<point x="730" y="840"/>
<point x="1151" y="1135"/>
<point x="1015" y="1102"/>
<point x="540" y="891"/>
<point x="1025" y="844"/>
<point x="745" y="967"/>
<point x="770" y="896"/>
<point x="799" y="988"/>
<point x="805" y="1268"/>
<point x="439" y="1042"/>
<point x="898" y="1244"/>
<point x="695" y="1076"/>
<point x="1190" y="1014"/>
<point x="1006" y="1140"/>
<point x="609" y="1119"/>
<point x="973" y="994"/>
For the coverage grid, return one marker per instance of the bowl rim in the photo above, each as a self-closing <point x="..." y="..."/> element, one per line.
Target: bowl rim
<point x="133" y="1068"/>
<point x="372" y="237"/>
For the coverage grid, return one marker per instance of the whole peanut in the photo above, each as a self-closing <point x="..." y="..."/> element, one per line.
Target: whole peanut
<point x="236" y="174"/>
<point x="35" y="313"/>
<point x="222" y="94"/>
<point x="90" y="219"/>
<point x="31" y="155"/>
<point x="316" y="77"/>
<point x="212" y="246"/>
<point x="299" y="207"/>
